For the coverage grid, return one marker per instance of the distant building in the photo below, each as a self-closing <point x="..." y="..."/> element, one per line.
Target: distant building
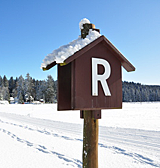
<point x="12" y="100"/>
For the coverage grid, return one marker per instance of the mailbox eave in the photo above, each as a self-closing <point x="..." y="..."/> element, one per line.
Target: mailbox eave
<point x="102" y="39"/>
<point x="75" y="82"/>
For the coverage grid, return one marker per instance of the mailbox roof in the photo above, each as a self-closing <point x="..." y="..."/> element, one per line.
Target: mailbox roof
<point x="102" y="39"/>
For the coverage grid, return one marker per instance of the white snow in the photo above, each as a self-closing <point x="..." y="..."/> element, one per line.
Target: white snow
<point x="4" y="102"/>
<point x="62" y="53"/>
<point x="38" y="136"/>
<point x="82" y="22"/>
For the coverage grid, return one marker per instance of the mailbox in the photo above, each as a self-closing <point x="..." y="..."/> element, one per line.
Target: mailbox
<point x="92" y="78"/>
<point x="89" y="79"/>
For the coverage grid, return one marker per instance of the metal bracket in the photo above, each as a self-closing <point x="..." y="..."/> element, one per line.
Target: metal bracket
<point x="96" y="114"/>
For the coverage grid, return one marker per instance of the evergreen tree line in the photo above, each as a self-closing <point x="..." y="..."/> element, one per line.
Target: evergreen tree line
<point x="136" y="92"/>
<point x="28" y="89"/>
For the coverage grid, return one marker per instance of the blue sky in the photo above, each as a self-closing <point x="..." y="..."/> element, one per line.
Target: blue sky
<point x="31" y="29"/>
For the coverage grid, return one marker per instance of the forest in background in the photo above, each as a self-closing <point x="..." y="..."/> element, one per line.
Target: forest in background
<point x="28" y="90"/>
<point x="136" y="92"/>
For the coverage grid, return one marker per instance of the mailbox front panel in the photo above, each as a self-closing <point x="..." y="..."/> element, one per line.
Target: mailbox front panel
<point x="83" y="97"/>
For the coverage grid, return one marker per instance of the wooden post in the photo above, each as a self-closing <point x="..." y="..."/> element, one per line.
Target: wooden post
<point x="86" y="28"/>
<point x="90" y="141"/>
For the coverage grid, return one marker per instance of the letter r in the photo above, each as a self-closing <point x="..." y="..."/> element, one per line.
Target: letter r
<point x="100" y="77"/>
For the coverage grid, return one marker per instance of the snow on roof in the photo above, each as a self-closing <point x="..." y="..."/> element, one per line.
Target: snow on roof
<point x="65" y="51"/>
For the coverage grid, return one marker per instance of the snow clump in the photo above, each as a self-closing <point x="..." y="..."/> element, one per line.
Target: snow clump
<point x="65" y="51"/>
<point x="83" y="21"/>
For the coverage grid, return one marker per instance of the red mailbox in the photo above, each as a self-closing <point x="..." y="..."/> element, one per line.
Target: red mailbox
<point x="91" y="79"/>
<point x="76" y="80"/>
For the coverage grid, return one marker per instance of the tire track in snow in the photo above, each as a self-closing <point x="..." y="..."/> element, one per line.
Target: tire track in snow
<point x="42" y="131"/>
<point x="102" y="136"/>
<point x="130" y="137"/>
<point x="135" y="156"/>
<point x="149" y="139"/>
<point x="43" y="149"/>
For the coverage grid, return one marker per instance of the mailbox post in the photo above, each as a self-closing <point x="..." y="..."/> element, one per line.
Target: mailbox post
<point x="91" y="80"/>
<point x="90" y="140"/>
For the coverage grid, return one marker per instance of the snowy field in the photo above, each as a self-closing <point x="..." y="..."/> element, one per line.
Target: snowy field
<point x="37" y="136"/>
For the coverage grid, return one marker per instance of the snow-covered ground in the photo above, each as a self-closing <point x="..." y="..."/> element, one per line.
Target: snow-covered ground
<point x="38" y="136"/>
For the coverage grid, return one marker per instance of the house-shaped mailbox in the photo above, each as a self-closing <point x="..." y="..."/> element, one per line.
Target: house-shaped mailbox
<point x="91" y="79"/>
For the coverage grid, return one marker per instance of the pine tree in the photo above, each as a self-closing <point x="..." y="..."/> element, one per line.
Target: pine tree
<point x="20" y="89"/>
<point x="34" y="85"/>
<point x="1" y="94"/>
<point x="11" y="85"/>
<point x="28" y="88"/>
<point x="41" y="90"/>
<point x="50" y="92"/>
<point x="20" y="99"/>
<point x="5" y="93"/>
<point x="5" y="81"/>
<point x="1" y="81"/>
